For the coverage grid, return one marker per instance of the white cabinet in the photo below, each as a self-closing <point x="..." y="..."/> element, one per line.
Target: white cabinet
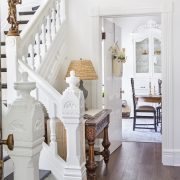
<point x="147" y="57"/>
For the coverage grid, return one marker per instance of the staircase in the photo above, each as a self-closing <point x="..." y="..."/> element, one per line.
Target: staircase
<point x="24" y="19"/>
<point x="40" y="50"/>
<point x="8" y="164"/>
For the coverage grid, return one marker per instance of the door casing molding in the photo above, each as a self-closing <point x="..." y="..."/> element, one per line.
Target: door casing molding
<point x="165" y="10"/>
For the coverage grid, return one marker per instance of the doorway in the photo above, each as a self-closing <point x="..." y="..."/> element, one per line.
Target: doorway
<point x="120" y="9"/>
<point x="139" y="37"/>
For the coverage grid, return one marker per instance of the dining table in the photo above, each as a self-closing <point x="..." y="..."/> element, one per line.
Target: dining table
<point x="151" y="98"/>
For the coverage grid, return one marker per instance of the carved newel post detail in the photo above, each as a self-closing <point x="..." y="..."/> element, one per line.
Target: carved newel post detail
<point x="72" y="114"/>
<point x="25" y="120"/>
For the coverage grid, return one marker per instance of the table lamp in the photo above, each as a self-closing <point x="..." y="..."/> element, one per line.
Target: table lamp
<point x="85" y="71"/>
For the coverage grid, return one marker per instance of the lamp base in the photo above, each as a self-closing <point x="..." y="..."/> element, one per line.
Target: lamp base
<point x="85" y="92"/>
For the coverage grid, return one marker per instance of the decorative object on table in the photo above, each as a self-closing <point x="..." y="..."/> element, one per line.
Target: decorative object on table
<point x="159" y="86"/>
<point x="12" y="17"/>
<point x="85" y="71"/>
<point x="118" y="58"/>
<point x="154" y="90"/>
<point x="157" y="52"/>
<point x="145" y="52"/>
<point x="150" y="86"/>
<point x="125" y="109"/>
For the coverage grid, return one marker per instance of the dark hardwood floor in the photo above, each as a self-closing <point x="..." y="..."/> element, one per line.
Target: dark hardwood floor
<point x="137" y="161"/>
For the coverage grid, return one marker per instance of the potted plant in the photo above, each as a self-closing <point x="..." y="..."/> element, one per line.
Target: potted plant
<point x="118" y="58"/>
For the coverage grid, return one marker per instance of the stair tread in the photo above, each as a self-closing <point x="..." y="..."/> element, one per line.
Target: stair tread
<point x="26" y="13"/>
<point x="3" y="55"/>
<point x="6" y="158"/>
<point x="3" y="43"/>
<point x="42" y="175"/>
<point x="3" y="69"/>
<point x="23" y="21"/>
<point x="35" y="8"/>
<point x="4" y="85"/>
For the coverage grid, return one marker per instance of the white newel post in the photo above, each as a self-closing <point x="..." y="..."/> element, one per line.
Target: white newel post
<point x="72" y="115"/>
<point x="12" y="49"/>
<point x="25" y="120"/>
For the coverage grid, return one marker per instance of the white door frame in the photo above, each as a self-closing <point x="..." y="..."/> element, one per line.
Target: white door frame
<point x="167" y="67"/>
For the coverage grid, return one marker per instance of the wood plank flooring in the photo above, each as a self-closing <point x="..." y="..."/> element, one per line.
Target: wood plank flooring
<point x="137" y="161"/>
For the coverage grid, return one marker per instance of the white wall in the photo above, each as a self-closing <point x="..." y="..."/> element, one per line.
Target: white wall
<point x="3" y="11"/>
<point x="79" y="36"/>
<point x="128" y="25"/>
<point x="81" y="45"/>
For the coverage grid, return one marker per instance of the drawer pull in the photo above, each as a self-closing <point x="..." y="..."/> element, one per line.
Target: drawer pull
<point x="142" y="87"/>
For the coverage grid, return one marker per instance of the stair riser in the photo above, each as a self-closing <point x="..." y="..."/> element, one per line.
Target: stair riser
<point x="50" y="177"/>
<point x="25" y="17"/>
<point x="3" y="49"/>
<point x="21" y="26"/>
<point x="25" y="8"/>
<point x="8" y="167"/>
<point x="3" y="77"/>
<point x="3" y="37"/>
<point x="3" y="62"/>
<point x="4" y="94"/>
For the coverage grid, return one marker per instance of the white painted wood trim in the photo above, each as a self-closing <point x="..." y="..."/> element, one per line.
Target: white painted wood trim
<point x="171" y="157"/>
<point x="167" y="88"/>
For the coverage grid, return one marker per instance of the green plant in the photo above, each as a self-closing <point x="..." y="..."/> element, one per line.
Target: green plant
<point x="118" y="54"/>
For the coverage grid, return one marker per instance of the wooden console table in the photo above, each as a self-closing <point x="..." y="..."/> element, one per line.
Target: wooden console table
<point x="94" y="125"/>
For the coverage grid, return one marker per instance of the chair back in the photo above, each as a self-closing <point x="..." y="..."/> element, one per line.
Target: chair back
<point x="133" y="93"/>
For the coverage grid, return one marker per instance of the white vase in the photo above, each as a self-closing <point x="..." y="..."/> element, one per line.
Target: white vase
<point x="117" y="68"/>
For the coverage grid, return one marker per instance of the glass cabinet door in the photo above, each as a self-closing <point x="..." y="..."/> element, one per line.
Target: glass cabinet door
<point x="157" y="55"/>
<point x="142" y="56"/>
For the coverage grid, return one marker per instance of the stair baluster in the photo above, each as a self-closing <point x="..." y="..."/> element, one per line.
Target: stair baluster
<point x="53" y="22"/>
<point x="32" y="59"/>
<point x="38" y="49"/>
<point x="58" y="15"/>
<point x="44" y="42"/>
<point x="53" y="143"/>
<point x="49" y="31"/>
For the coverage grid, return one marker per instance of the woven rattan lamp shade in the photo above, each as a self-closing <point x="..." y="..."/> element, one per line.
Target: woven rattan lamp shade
<point x="83" y="69"/>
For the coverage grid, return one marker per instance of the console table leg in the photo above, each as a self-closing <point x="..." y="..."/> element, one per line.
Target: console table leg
<point x="91" y="164"/>
<point x="106" y="144"/>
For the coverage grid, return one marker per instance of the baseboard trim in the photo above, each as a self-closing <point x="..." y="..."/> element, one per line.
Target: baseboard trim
<point x="171" y="157"/>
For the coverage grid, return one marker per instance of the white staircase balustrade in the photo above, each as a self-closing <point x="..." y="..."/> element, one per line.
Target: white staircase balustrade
<point x="37" y="43"/>
<point x="36" y="51"/>
<point x="25" y="120"/>
<point x="72" y="109"/>
<point x="50" y="98"/>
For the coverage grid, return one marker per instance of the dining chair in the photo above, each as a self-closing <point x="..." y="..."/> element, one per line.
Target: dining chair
<point x="144" y="109"/>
